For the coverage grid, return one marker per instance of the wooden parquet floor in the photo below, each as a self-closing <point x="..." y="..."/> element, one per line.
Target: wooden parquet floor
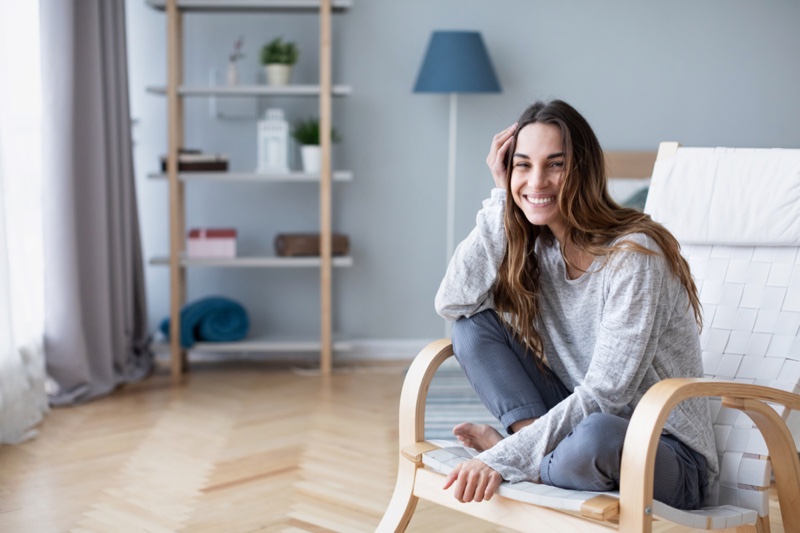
<point x="238" y="447"/>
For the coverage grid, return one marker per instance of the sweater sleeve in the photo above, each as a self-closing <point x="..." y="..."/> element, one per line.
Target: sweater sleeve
<point x="467" y="284"/>
<point x="621" y="356"/>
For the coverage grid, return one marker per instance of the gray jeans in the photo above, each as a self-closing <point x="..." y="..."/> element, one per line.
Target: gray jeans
<point x="508" y="383"/>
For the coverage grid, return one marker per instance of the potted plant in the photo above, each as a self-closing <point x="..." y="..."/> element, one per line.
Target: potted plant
<point x="278" y="57"/>
<point x="306" y="133"/>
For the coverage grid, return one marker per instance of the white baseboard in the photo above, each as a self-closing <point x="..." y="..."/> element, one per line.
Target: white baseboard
<point x="382" y="349"/>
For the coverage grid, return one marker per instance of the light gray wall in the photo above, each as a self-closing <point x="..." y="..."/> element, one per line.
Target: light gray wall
<point x="717" y="72"/>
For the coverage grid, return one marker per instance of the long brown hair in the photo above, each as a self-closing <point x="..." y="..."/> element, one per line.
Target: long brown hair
<point x="592" y="217"/>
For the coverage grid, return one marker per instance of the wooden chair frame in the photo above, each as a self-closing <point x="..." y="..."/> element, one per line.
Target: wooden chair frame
<point x="632" y="513"/>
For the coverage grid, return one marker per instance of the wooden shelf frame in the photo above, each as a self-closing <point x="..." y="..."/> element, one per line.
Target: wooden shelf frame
<point x="255" y="262"/>
<point x="176" y="91"/>
<point x="250" y="5"/>
<point x="252" y="90"/>
<point x="229" y="177"/>
<point x="262" y="345"/>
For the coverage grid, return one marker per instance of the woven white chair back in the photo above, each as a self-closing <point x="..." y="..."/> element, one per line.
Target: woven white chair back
<point x="751" y="310"/>
<point x="750" y="292"/>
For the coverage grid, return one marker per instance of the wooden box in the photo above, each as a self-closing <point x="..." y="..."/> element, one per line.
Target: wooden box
<point x="211" y="242"/>
<point x="308" y="244"/>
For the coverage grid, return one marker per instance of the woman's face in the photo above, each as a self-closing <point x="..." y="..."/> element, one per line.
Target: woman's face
<point x="537" y="174"/>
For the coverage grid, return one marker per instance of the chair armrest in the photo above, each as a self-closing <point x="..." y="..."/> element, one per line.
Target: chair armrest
<point x="647" y="422"/>
<point x="415" y="391"/>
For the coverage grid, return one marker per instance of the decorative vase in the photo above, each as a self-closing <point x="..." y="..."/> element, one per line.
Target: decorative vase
<point x="232" y="75"/>
<point x="278" y="74"/>
<point x="311" y="155"/>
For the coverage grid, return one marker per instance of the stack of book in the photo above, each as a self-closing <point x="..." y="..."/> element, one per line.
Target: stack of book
<point x="196" y="161"/>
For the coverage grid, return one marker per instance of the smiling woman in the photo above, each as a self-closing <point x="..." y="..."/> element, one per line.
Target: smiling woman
<point x="22" y="396"/>
<point x="568" y="308"/>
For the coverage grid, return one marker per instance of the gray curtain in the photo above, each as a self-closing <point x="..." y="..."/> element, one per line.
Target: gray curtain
<point x="95" y="320"/>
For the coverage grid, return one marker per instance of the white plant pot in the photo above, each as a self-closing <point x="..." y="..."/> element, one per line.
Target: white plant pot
<point x="232" y="75"/>
<point x="278" y="74"/>
<point x="311" y="155"/>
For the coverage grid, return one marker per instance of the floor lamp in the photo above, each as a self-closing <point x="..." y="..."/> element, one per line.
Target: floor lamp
<point x="455" y="62"/>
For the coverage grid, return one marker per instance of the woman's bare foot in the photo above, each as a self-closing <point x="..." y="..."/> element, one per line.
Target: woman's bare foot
<point x="478" y="436"/>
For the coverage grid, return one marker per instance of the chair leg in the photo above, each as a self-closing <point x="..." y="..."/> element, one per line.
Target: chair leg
<point x="403" y="502"/>
<point x="761" y="526"/>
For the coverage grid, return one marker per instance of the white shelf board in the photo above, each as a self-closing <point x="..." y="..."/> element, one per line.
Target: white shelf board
<point x="255" y="262"/>
<point x="249" y="5"/>
<point x="259" y="345"/>
<point x="251" y="90"/>
<point x="292" y="177"/>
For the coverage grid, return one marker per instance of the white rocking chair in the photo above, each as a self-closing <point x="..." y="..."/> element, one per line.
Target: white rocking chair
<point x="737" y="216"/>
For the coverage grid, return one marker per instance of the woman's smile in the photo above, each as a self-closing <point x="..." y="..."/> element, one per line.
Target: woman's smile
<point x="538" y="200"/>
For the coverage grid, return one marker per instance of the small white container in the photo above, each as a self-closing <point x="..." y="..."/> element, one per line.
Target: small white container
<point x="273" y="143"/>
<point x="278" y="74"/>
<point x="311" y="155"/>
<point x="211" y="242"/>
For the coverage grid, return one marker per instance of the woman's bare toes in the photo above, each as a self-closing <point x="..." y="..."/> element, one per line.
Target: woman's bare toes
<point x="478" y="436"/>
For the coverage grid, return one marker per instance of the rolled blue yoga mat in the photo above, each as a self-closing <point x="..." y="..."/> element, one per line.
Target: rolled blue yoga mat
<point x="211" y="319"/>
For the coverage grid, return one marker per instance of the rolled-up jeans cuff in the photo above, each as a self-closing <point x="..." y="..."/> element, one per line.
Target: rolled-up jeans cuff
<point x="525" y="412"/>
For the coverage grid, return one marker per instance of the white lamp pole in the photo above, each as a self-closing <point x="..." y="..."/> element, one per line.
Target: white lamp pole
<point x="451" y="192"/>
<point x="451" y="178"/>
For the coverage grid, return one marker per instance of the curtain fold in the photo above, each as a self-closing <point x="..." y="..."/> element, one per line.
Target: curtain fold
<point x="23" y="400"/>
<point x="95" y="316"/>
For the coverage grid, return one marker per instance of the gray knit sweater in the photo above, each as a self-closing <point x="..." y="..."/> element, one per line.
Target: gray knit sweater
<point x="609" y="336"/>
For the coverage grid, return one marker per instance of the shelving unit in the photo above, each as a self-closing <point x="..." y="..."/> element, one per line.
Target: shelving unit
<point x="255" y="262"/>
<point x="252" y="90"/>
<point x="265" y="346"/>
<point x="249" y="5"/>
<point x="175" y="92"/>
<point x="231" y="177"/>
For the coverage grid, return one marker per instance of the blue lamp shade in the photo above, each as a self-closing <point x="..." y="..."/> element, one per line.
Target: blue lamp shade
<point x="456" y="62"/>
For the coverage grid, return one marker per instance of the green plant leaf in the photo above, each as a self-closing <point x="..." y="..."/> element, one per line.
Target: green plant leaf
<point x="278" y="51"/>
<point x="307" y="132"/>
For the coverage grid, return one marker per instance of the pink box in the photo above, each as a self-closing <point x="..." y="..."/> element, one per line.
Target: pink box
<point x="211" y="242"/>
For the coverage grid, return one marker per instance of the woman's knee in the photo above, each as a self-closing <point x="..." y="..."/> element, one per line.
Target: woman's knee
<point x="602" y="434"/>
<point x="474" y="330"/>
<point x="589" y="457"/>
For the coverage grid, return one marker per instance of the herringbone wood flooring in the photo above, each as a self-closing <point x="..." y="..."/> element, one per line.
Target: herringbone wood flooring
<point x="237" y="448"/>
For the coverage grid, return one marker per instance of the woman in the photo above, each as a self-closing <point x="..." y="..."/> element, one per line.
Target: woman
<point x="568" y="308"/>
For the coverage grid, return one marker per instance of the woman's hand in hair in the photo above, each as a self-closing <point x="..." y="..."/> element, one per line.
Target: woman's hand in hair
<point x="474" y="481"/>
<point x="498" y="155"/>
